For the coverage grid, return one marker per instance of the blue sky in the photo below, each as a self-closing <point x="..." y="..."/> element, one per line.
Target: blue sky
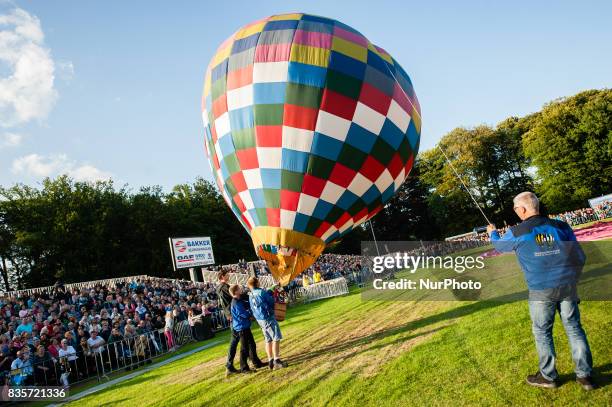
<point x="112" y="88"/>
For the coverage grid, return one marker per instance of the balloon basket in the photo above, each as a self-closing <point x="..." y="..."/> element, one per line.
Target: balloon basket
<point x="280" y="309"/>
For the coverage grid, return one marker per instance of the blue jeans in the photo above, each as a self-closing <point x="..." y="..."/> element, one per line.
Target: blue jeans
<point x="542" y="318"/>
<point x="231" y="353"/>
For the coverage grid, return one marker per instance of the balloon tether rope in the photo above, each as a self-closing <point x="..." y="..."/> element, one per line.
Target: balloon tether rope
<point x="464" y="185"/>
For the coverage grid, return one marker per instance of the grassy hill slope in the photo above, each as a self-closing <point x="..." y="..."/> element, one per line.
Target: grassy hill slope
<point x="348" y="351"/>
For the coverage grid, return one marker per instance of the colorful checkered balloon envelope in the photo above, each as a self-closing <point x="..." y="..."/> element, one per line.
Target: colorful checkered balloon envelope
<point x="310" y="129"/>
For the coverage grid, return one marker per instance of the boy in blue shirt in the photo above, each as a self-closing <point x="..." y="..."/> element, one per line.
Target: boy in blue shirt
<point x="241" y="324"/>
<point x="262" y="304"/>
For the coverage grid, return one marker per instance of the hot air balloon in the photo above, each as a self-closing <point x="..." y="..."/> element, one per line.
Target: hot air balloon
<point x="309" y="129"/>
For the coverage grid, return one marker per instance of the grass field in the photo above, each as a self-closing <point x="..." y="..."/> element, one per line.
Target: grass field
<point x="347" y="351"/>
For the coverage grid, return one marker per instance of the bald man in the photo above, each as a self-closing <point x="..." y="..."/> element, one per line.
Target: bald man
<point x="552" y="262"/>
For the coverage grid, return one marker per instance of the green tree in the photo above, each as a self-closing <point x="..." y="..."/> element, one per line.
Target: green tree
<point x="570" y="144"/>
<point x="407" y="215"/>
<point x="489" y="161"/>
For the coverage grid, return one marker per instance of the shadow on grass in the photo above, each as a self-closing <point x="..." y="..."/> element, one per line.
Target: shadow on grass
<point x="362" y="340"/>
<point x="451" y="314"/>
<point x="114" y="403"/>
<point x="602" y="375"/>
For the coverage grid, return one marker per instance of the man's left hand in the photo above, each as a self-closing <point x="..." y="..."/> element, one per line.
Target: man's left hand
<point x="490" y="228"/>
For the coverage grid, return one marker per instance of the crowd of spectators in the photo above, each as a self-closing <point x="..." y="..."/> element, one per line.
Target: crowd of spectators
<point x="585" y="215"/>
<point x="244" y="267"/>
<point x="46" y="335"/>
<point x="574" y="218"/>
<point x="54" y="336"/>
<point x="330" y="266"/>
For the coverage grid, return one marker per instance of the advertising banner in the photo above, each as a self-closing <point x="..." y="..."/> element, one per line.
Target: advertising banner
<point x="191" y="252"/>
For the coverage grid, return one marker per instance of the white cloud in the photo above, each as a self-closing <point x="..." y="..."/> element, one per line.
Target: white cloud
<point x="39" y="166"/>
<point x="10" y="140"/>
<point x="27" y="91"/>
<point x="89" y="173"/>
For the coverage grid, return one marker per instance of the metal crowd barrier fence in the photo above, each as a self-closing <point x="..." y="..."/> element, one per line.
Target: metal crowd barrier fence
<point x="253" y="263"/>
<point x="182" y="333"/>
<point x="358" y="276"/>
<point x="453" y="246"/>
<point x="576" y="220"/>
<point x="219" y="321"/>
<point x="318" y="291"/>
<point x="237" y="278"/>
<point x="126" y="354"/>
<point x="110" y="282"/>
<point x="74" y="367"/>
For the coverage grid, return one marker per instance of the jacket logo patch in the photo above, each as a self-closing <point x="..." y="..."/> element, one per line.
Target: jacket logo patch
<point x="545" y="240"/>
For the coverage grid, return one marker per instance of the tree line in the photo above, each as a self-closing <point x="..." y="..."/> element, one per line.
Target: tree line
<point x="75" y="231"/>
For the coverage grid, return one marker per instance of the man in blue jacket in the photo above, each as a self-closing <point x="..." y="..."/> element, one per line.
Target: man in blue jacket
<point x="552" y="262"/>
<point x="241" y="324"/>
<point x="262" y="304"/>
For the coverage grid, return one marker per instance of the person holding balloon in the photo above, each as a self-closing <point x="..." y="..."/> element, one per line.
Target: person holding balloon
<point x="262" y="305"/>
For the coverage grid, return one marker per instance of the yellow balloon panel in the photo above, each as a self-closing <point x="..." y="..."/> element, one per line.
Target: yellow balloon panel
<point x="287" y="252"/>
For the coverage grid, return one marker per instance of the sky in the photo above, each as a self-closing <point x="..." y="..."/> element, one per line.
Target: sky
<point x="112" y="89"/>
